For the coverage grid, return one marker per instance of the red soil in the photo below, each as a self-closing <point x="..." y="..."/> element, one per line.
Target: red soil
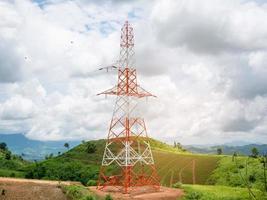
<point x="140" y="193"/>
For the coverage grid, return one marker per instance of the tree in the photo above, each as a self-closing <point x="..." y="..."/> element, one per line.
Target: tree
<point x="3" y="146"/>
<point x="8" y="155"/>
<point x="179" y="146"/>
<point x="91" y="148"/>
<point x="67" y="145"/>
<point x="219" y="151"/>
<point x="234" y="156"/>
<point x="174" y="144"/>
<point x="254" y="152"/>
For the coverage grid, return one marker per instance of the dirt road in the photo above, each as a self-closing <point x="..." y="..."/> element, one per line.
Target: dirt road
<point x="25" y="189"/>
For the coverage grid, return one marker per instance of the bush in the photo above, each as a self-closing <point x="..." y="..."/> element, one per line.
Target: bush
<point x="74" y="192"/>
<point x="91" y="183"/>
<point x="193" y="196"/>
<point x="108" y="197"/>
<point x="177" y="185"/>
<point x="3" y="146"/>
<point x="89" y="198"/>
<point x="36" y="172"/>
<point x="91" y="148"/>
<point x="8" y="155"/>
<point x="252" y="178"/>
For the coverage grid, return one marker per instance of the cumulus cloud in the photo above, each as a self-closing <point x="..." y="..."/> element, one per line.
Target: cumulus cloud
<point x="17" y="108"/>
<point x="211" y="26"/>
<point x="205" y="61"/>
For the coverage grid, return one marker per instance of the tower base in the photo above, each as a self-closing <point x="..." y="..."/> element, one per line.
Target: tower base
<point x="139" y="193"/>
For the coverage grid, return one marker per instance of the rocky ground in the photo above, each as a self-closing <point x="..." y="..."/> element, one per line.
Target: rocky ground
<point x="25" y="189"/>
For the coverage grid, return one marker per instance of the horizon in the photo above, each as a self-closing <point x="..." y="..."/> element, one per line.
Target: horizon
<point x="232" y="143"/>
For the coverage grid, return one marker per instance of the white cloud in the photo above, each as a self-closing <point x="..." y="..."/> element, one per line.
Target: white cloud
<point x="204" y="60"/>
<point x="17" y="108"/>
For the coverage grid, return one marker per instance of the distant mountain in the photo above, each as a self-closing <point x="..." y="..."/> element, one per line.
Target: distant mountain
<point x="228" y="149"/>
<point x="34" y="149"/>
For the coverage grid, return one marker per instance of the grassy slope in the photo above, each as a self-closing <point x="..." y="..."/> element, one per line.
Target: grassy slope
<point x="168" y="162"/>
<point x="14" y="167"/>
<point x="204" y="192"/>
<point x="229" y="171"/>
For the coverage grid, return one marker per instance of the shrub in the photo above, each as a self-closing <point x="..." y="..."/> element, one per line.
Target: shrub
<point x="8" y="155"/>
<point x="36" y="172"/>
<point x="3" y="146"/>
<point x="252" y="178"/>
<point x="91" y="148"/>
<point x="108" y="197"/>
<point x="193" y="196"/>
<point x="74" y="192"/>
<point x="89" y="198"/>
<point x="91" y="183"/>
<point x="177" y="185"/>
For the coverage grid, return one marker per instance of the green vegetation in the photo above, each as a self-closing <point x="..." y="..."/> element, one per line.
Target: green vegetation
<point x="204" y="192"/>
<point x="82" y="162"/>
<point x="239" y="172"/>
<point x="254" y="152"/>
<point x="75" y="165"/>
<point x="232" y="176"/>
<point x="91" y="147"/>
<point x="219" y="151"/>
<point x="11" y="165"/>
<point x="157" y="145"/>
<point x="67" y="145"/>
<point x="77" y="192"/>
<point x="173" y="166"/>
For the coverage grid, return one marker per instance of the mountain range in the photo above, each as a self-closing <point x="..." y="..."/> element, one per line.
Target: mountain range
<point x="33" y="149"/>
<point x="228" y="149"/>
<point x="37" y="150"/>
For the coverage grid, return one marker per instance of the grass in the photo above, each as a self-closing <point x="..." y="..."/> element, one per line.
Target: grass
<point x="76" y="192"/>
<point x="11" y="173"/>
<point x="230" y="172"/>
<point x="170" y="164"/>
<point x="13" y="167"/>
<point x="204" y="192"/>
<point x="78" y="165"/>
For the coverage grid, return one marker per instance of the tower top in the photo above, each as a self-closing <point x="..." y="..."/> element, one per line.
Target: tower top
<point x="127" y="76"/>
<point x="126" y="47"/>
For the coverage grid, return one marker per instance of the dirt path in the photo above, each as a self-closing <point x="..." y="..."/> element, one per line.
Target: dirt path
<point x="140" y="193"/>
<point x="25" y="189"/>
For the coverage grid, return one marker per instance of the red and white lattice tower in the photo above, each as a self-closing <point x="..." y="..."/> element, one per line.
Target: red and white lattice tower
<point x="127" y="150"/>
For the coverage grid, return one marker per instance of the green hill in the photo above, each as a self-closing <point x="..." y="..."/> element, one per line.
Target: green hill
<point x="218" y="192"/>
<point x="229" y="150"/>
<point x="240" y="172"/>
<point x="11" y="165"/>
<point x="79" y="165"/>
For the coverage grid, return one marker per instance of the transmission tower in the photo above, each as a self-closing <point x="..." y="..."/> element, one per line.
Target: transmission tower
<point x="127" y="161"/>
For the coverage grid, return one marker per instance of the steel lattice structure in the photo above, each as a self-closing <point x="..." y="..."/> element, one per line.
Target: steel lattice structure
<point x="127" y="148"/>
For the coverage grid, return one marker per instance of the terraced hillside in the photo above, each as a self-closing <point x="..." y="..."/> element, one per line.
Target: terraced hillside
<point x="174" y="167"/>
